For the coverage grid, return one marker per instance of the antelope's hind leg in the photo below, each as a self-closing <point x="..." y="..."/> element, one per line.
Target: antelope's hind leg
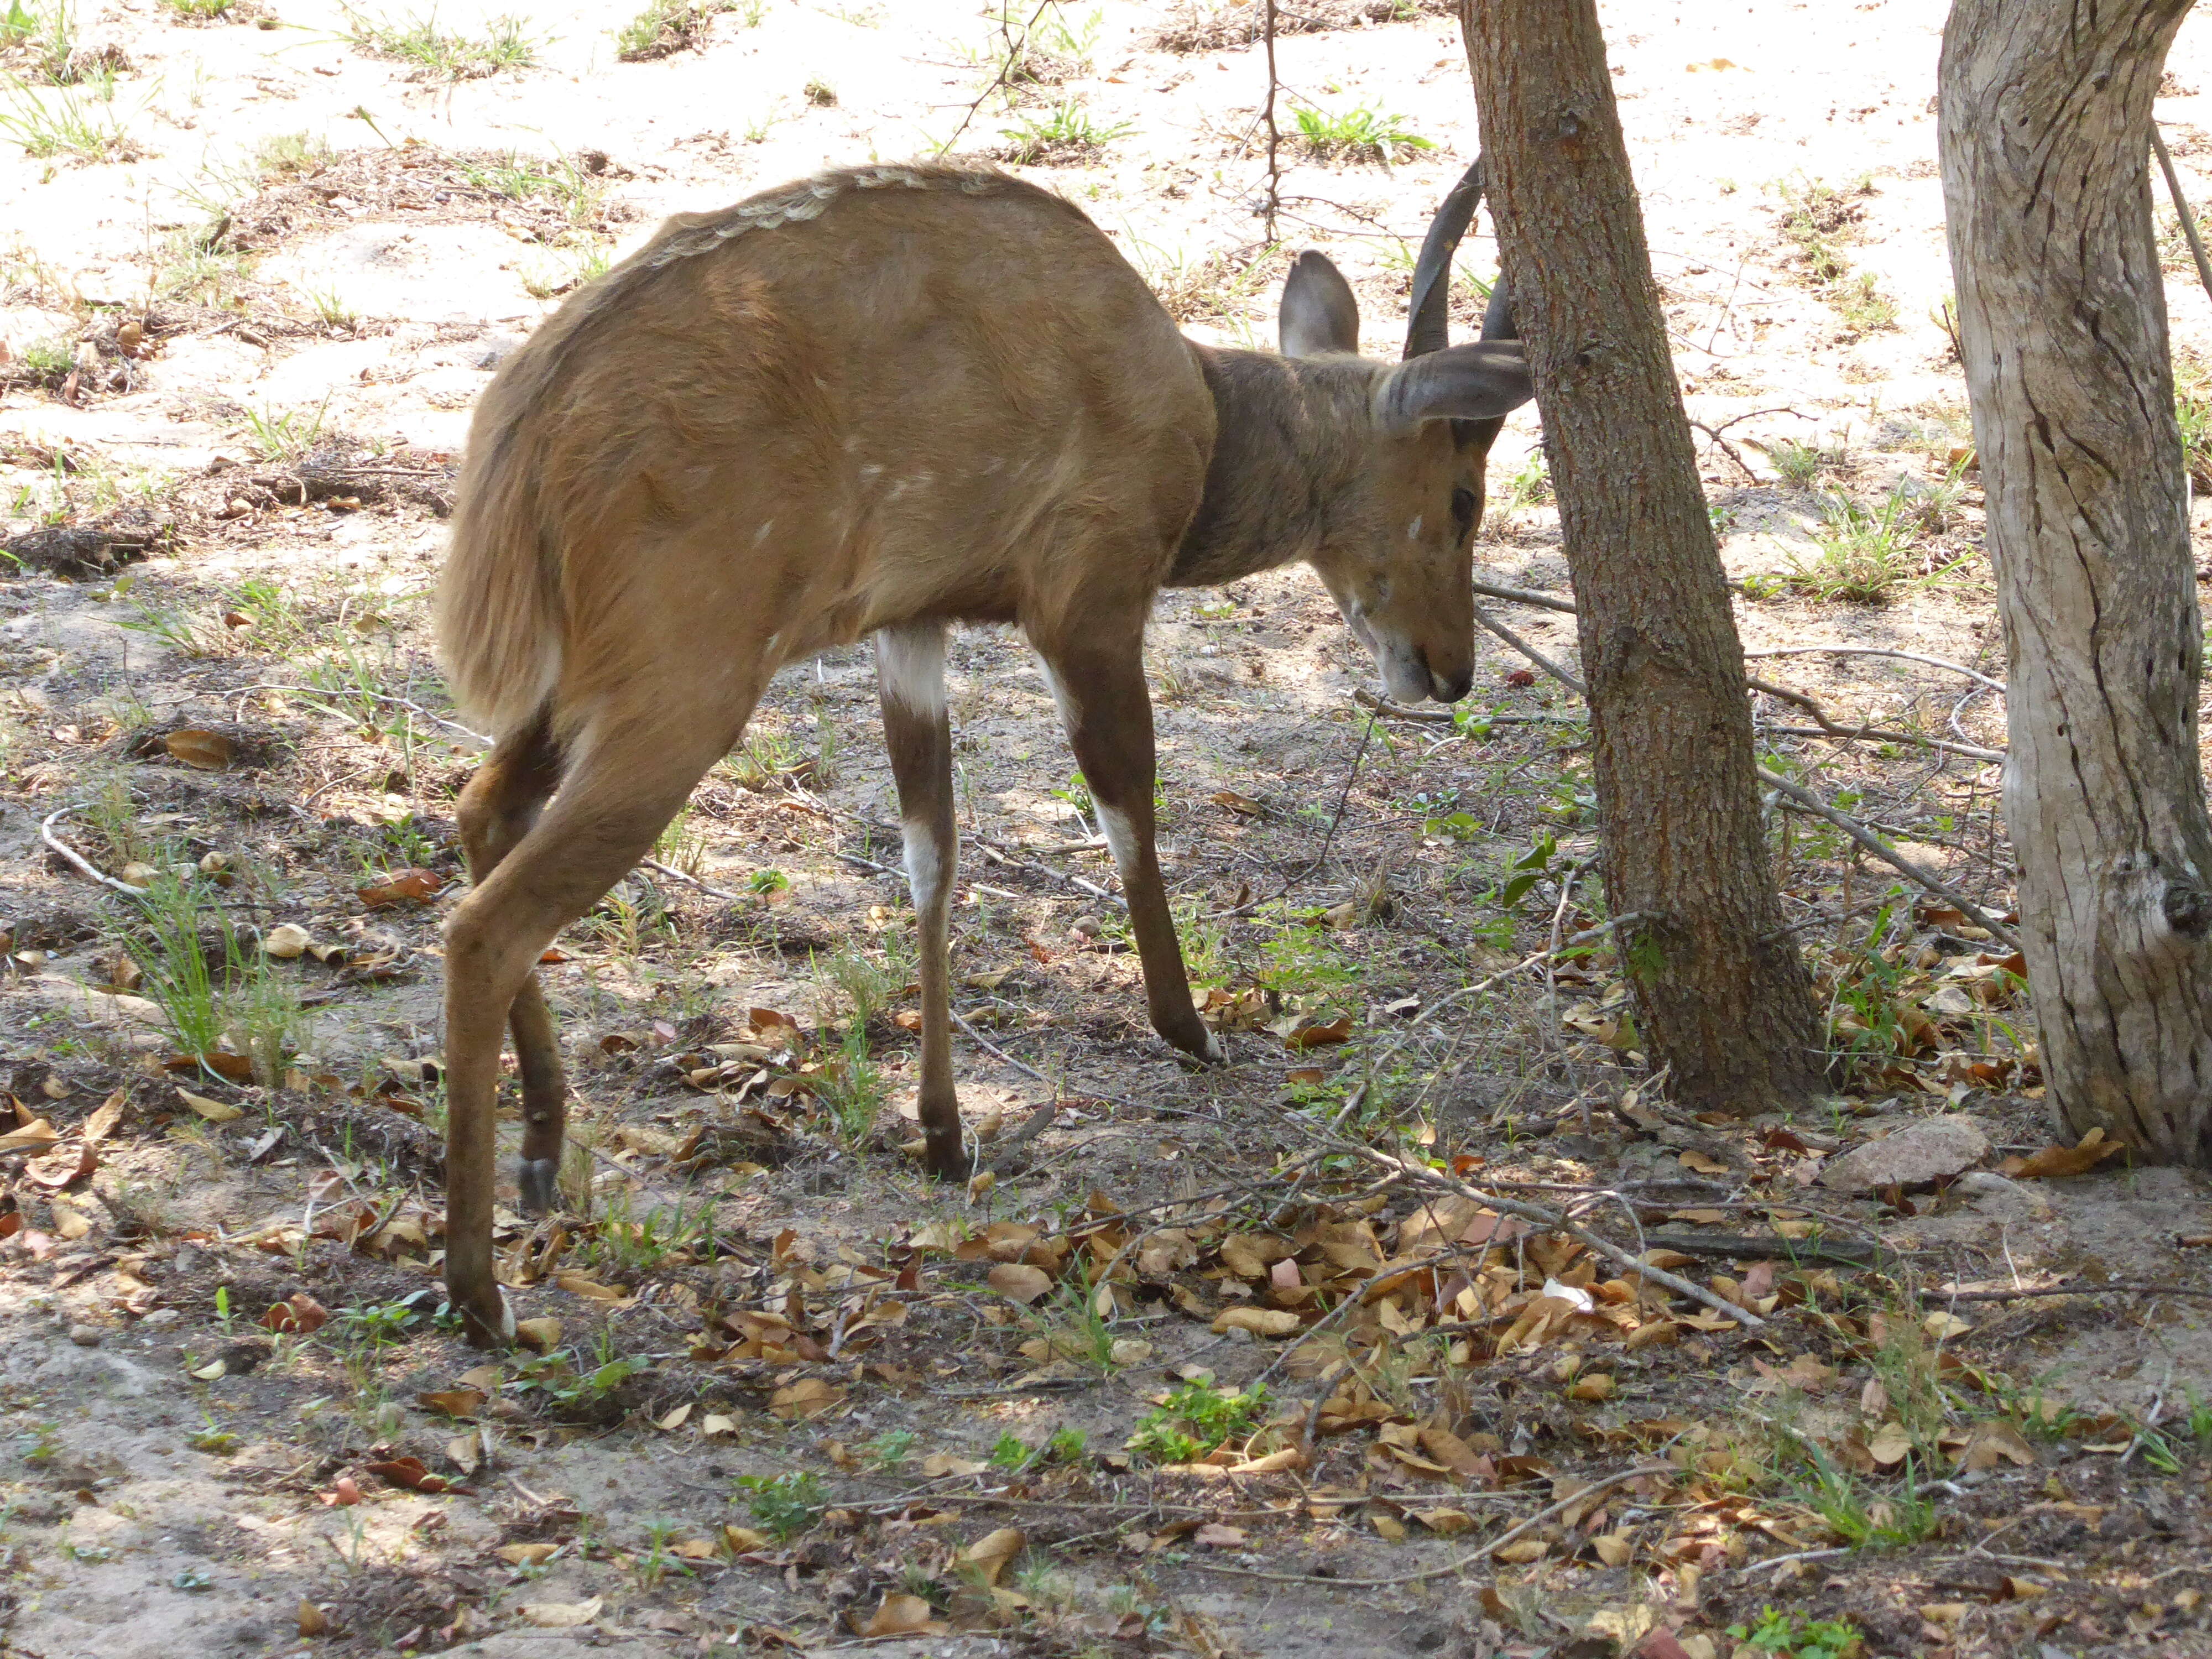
<point x="918" y="733"/>
<point x="497" y="811"/>
<point x="626" y="779"/>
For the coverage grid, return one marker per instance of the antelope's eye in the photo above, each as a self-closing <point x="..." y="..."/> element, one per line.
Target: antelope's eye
<point x="1463" y="509"/>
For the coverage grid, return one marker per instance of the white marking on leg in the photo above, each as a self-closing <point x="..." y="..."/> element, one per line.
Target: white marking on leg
<point x="910" y="665"/>
<point x="1059" y="697"/>
<point x="1121" y="837"/>
<point x="927" y="874"/>
<point x="1413" y="529"/>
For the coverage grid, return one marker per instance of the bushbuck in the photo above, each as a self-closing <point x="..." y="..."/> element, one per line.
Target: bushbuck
<point x="876" y="403"/>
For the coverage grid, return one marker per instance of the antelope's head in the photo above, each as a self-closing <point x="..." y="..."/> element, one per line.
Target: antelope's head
<point x="1398" y="557"/>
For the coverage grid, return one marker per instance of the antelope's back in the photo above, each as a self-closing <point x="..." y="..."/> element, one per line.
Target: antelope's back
<point x="883" y="393"/>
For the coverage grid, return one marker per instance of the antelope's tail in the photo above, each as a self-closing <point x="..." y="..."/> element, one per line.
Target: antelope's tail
<point x="499" y="617"/>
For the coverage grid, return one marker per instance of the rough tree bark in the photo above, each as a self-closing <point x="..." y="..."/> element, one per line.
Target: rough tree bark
<point x="1722" y="1001"/>
<point x="2045" y="129"/>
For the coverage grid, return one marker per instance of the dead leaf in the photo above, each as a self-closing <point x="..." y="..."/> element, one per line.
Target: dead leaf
<point x="102" y="1124"/>
<point x="298" y="1314"/>
<point x="742" y="1541"/>
<point x="453" y="1403"/>
<point x="409" y="1472"/>
<point x="1242" y="805"/>
<point x="561" y="1615"/>
<point x="526" y="1555"/>
<point x="405" y="887"/>
<point x="988" y="1555"/>
<point x="1445" y="1522"/>
<point x="209" y="751"/>
<point x="1890" y="1445"/>
<point x="1320" y="1035"/>
<point x="36" y="1135"/>
<point x="286" y="941"/>
<point x="214" y="1111"/>
<point x="1522" y="1551"/>
<point x="1261" y="1322"/>
<point x="538" y="1335"/>
<point x="1019" y="1282"/>
<point x="2053" y="1162"/>
<point x="901" y="1615"/>
<point x="937" y="1465"/>
<point x="312" y="1621"/>
<point x="808" y="1397"/>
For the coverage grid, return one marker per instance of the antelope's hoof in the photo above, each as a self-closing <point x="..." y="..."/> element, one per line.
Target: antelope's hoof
<point x="539" y="1179"/>
<point x="1198" y="1043"/>
<point x="948" y="1161"/>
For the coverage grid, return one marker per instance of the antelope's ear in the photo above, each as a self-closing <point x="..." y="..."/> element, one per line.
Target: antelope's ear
<point x="1475" y="382"/>
<point x="1319" y="314"/>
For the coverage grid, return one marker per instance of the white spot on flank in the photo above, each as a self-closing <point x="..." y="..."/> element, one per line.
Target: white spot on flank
<point x="761" y="535"/>
<point x="870" y="473"/>
<point x="1121" y="837"/>
<point x="1413" y="529"/>
<point x="910" y="665"/>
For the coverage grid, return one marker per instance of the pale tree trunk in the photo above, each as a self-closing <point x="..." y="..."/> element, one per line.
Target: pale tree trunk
<point x="2045" y="127"/>
<point x="1722" y="999"/>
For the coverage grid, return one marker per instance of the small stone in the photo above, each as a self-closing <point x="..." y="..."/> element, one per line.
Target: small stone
<point x="1932" y="1149"/>
<point x="1089" y="926"/>
<point x="86" y="1336"/>
<point x="159" y="1318"/>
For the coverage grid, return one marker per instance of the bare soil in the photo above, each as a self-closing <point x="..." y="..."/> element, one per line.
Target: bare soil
<point x="242" y="337"/>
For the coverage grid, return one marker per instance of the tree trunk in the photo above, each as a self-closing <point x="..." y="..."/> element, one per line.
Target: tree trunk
<point x="2044" y="128"/>
<point x="1722" y="1001"/>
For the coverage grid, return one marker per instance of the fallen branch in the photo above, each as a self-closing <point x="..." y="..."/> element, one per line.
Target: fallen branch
<point x="1421" y="1175"/>
<point x="1564" y="676"/>
<point x="1462" y="1562"/>
<point x="1524" y="596"/>
<point x="1805" y="801"/>
<point x="1974" y="674"/>
<point x="2195" y="1293"/>
<point x="82" y="864"/>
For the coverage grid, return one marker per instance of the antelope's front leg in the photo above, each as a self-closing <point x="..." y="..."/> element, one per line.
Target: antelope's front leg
<point x="1100" y="686"/>
<point x="911" y="682"/>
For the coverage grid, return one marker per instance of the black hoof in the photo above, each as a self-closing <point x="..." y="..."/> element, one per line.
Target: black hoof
<point x="540" y="1181"/>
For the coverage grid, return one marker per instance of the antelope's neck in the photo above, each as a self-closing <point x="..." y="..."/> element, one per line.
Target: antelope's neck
<point x="1288" y="452"/>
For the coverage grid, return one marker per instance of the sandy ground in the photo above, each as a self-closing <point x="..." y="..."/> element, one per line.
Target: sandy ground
<point x="243" y="337"/>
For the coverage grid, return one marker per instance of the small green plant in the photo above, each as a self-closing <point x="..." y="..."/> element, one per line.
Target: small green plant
<point x="890" y="1448"/>
<point x="563" y="1383"/>
<point x="1793" y="1636"/>
<point x="636" y="1243"/>
<point x="865" y="987"/>
<point x="1360" y="134"/>
<point x="376" y="1326"/>
<point x="42" y="1445"/>
<point x="81" y="124"/>
<point x="178" y="930"/>
<point x="438" y="55"/>
<point x="287" y="437"/>
<point x="1799" y="464"/>
<point x="819" y="92"/>
<point x="1864" y="308"/>
<point x="1529" y="485"/>
<point x="1195" y="1418"/>
<point x="200" y="11"/>
<point x="766" y="881"/>
<point x="215" y="1441"/>
<point x="1064" y="135"/>
<point x="1010" y="1453"/>
<point x="290" y="154"/>
<point x="1862" y="554"/>
<point x="666" y="26"/>
<point x="852" y="1089"/>
<point x="785" y="1505"/>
